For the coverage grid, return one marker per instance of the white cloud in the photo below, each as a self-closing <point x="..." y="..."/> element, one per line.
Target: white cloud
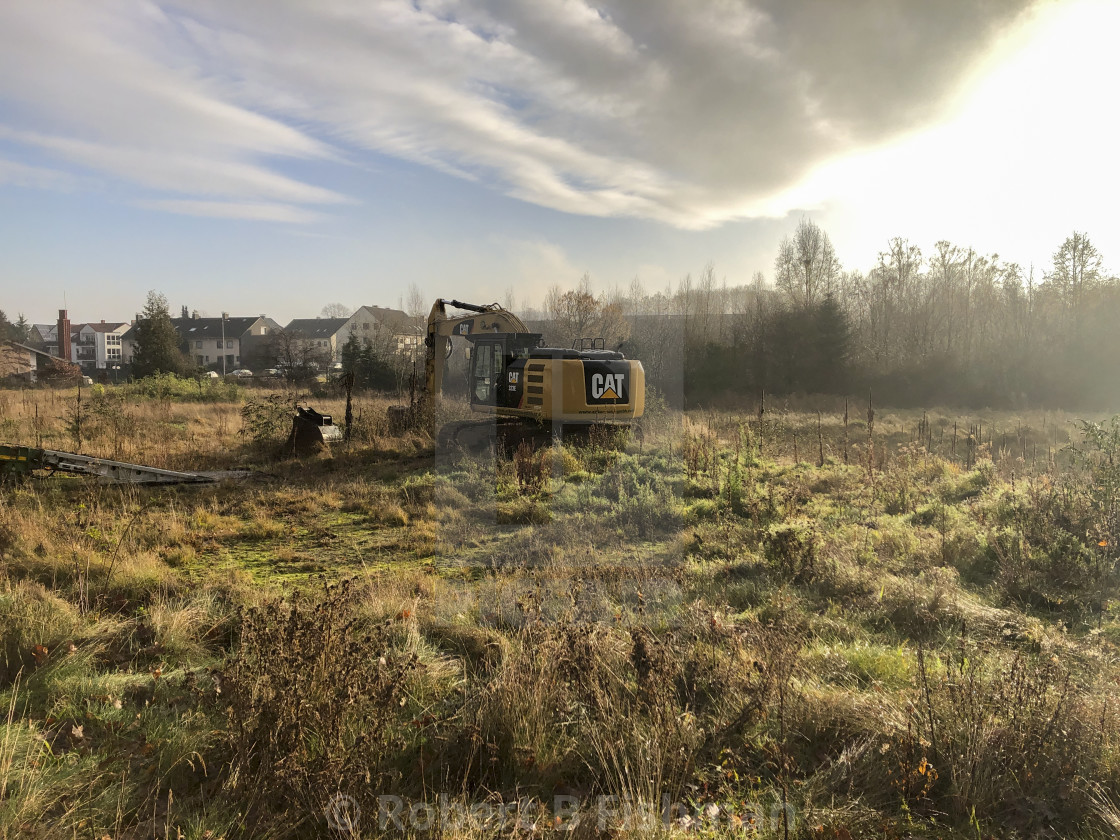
<point x="689" y="113"/>
<point x="112" y="87"/>
<point x="173" y="171"/>
<point x="23" y="175"/>
<point x="235" y="210"/>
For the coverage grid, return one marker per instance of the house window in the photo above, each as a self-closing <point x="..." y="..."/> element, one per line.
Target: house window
<point x="207" y="360"/>
<point x="365" y="326"/>
<point x="198" y="345"/>
<point x="229" y="344"/>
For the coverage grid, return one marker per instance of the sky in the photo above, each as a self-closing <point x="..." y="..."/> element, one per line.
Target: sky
<point x="274" y="156"/>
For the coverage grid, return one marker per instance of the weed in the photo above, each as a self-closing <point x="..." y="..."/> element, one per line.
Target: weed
<point x="266" y="421"/>
<point x="312" y="697"/>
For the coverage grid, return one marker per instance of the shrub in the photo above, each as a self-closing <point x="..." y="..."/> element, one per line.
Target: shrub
<point x="313" y="697"/>
<point x="267" y="421"/>
<point x="1006" y="738"/>
<point x="792" y="551"/>
<point x="168" y="387"/>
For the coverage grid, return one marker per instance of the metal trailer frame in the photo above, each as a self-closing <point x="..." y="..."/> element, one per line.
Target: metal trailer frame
<point x="17" y="461"/>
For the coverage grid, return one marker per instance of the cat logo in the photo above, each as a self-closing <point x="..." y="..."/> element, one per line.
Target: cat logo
<point x="608" y="386"/>
<point x="464" y="328"/>
<point x="606" y="382"/>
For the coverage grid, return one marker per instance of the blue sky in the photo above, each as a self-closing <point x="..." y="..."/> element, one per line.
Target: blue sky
<point x="278" y="156"/>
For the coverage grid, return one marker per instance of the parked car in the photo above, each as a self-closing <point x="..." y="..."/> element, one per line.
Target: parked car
<point x="86" y="380"/>
<point x="241" y="372"/>
<point x="271" y="372"/>
<point x="210" y="374"/>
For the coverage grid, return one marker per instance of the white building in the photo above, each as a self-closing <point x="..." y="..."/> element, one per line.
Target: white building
<point x="389" y="329"/>
<point x="98" y="346"/>
<point x="223" y="344"/>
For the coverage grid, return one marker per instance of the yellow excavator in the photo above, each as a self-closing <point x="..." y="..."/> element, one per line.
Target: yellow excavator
<point x="531" y="392"/>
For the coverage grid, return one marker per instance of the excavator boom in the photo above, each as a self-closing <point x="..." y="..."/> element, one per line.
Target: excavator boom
<point x="441" y="327"/>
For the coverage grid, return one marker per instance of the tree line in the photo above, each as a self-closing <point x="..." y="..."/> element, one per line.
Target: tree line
<point x="952" y="327"/>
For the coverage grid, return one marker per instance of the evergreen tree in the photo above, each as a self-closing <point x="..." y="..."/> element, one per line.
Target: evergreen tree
<point x="157" y="342"/>
<point x="351" y="355"/>
<point x="370" y="368"/>
<point x="7" y="329"/>
<point x="22" y="328"/>
<point x="830" y="339"/>
<point x="374" y="371"/>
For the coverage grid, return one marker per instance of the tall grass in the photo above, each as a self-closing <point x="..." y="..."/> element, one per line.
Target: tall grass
<point x="734" y="613"/>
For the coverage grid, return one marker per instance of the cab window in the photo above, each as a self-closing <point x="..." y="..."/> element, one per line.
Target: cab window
<point x="487" y="363"/>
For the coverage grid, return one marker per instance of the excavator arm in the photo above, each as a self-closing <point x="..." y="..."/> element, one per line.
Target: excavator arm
<point x="441" y="327"/>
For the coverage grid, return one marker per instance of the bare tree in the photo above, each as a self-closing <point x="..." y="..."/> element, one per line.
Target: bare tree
<point x="297" y="354"/>
<point x="336" y="310"/>
<point x="806" y="270"/>
<point x="572" y="312"/>
<point x="1076" y="269"/>
<point x="578" y="313"/>
<point x="416" y="303"/>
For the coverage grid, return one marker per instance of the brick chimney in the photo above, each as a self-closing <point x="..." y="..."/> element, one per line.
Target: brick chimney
<point x="64" y="335"/>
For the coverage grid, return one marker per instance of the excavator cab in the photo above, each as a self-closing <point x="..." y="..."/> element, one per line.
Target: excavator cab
<point x="497" y="360"/>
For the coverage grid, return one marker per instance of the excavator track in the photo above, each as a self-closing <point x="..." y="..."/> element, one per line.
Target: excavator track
<point x="471" y="436"/>
<point x="478" y="437"/>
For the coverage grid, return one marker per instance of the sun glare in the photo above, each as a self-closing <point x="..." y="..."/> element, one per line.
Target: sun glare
<point x="1025" y="157"/>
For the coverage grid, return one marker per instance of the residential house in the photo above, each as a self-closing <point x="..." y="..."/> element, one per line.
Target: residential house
<point x="18" y="361"/>
<point x="410" y="341"/>
<point x="44" y="337"/>
<point x="325" y="335"/>
<point x="225" y="344"/>
<point x="94" y="346"/>
<point x="98" y="346"/>
<point x="32" y="364"/>
<point x="128" y="344"/>
<point x="390" y="329"/>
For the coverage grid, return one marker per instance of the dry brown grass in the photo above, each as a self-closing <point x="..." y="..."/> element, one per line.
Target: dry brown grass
<point x="710" y="616"/>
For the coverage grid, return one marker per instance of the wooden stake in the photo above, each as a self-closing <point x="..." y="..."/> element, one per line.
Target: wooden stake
<point x="870" y="438"/>
<point x="820" y="442"/>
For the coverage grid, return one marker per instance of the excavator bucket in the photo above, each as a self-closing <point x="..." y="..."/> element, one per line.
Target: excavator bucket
<point x="310" y="430"/>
